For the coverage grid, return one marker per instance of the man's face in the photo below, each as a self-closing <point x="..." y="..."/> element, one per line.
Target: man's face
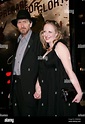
<point x="24" y="26"/>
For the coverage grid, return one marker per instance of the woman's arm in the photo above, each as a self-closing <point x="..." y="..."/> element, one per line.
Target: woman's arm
<point x="64" y="55"/>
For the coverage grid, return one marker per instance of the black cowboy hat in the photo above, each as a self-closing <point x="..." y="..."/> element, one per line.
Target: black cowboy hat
<point x="23" y="14"/>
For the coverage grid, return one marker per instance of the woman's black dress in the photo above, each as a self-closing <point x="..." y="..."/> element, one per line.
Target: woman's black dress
<point x="52" y="79"/>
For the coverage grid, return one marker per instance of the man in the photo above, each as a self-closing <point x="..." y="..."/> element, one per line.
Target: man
<point x="25" y="67"/>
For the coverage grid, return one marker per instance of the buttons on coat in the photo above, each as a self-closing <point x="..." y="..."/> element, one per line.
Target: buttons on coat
<point x="42" y="104"/>
<point x="28" y="69"/>
<point x="42" y="81"/>
<point x="69" y="104"/>
<point x="55" y="92"/>
<point x="15" y="104"/>
<point x="28" y="92"/>
<point x="15" y="81"/>
<point x="28" y="46"/>
<point x="55" y="69"/>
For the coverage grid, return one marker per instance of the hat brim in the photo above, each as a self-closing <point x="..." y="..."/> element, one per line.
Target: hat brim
<point x="14" y="22"/>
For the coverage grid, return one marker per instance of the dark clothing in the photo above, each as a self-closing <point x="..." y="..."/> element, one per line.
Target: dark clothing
<point x="52" y="80"/>
<point x="23" y="86"/>
<point x="21" y="105"/>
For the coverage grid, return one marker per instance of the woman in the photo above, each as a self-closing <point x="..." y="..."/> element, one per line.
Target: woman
<point x="55" y="67"/>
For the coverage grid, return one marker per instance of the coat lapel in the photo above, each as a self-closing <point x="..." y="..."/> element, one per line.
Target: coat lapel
<point x="29" y="44"/>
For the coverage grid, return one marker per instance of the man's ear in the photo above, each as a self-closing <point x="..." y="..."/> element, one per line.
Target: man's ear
<point x="30" y="24"/>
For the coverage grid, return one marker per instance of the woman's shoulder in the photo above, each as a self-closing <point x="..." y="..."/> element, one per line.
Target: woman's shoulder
<point x="60" y="42"/>
<point x="61" y="48"/>
<point x="63" y="41"/>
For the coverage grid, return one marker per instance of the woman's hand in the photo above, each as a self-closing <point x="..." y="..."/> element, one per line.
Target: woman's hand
<point x="78" y="97"/>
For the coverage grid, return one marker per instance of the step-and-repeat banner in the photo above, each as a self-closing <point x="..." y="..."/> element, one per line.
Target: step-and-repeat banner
<point x="47" y="9"/>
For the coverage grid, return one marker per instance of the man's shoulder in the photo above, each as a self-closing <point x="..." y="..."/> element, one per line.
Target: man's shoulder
<point x="35" y="34"/>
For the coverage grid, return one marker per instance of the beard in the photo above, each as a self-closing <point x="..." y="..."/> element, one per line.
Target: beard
<point x="23" y="31"/>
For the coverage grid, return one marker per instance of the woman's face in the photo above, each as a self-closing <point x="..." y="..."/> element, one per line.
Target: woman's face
<point x="49" y="33"/>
